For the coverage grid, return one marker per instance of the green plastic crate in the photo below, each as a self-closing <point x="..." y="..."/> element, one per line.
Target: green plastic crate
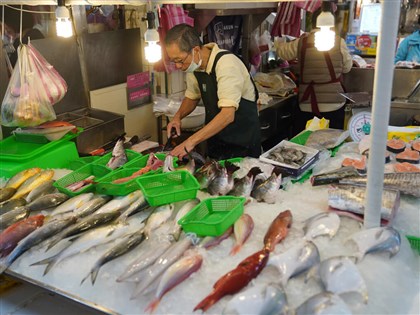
<point x="131" y="155"/>
<point x="41" y="139"/>
<point x="106" y="186"/>
<point x="141" y="161"/>
<point x="414" y="242"/>
<point x="80" y="174"/>
<point x="213" y="216"/>
<point x="169" y="187"/>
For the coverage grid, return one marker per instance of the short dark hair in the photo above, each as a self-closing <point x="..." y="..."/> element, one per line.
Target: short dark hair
<point x="185" y="36"/>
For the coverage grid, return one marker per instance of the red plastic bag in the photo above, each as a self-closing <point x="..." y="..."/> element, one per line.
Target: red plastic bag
<point x="28" y="98"/>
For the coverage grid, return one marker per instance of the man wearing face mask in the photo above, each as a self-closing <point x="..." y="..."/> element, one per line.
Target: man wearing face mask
<point x="229" y="95"/>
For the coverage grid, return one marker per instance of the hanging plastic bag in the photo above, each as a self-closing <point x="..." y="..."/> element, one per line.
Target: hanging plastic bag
<point x="26" y="102"/>
<point x="53" y="83"/>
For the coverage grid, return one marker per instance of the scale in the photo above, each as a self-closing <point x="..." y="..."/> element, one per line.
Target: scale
<point x="359" y="125"/>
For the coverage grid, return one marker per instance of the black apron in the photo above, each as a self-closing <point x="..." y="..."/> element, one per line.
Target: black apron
<point x="240" y="138"/>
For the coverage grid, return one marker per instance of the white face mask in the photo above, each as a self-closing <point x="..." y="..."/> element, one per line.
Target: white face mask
<point x="193" y="66"/>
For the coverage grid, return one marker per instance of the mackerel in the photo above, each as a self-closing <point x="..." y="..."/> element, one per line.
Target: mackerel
<point x="120" y="202"/>
<point x="406" y="183"/>
<point x="72" y="203"/>
<point x="334" y="176"/>
<point x="13" y="216"/>
<point x="12" y="204"/>
<point x="47" y="201"/>
<point x="41" y="190"/>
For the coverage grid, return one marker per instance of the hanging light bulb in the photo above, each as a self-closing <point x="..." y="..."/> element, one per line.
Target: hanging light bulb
<point x="63" y="22"/>
<point x="325" y="37"/>
<point x="152" y="51"/>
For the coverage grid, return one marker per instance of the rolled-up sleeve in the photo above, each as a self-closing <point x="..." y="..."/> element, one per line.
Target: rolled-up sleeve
<point x="192" y="91"/>
<point x="231" y="76"/>
<point x="347" y="60"/>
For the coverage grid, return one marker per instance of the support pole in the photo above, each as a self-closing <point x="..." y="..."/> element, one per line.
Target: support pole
<point x="382" y="88"/>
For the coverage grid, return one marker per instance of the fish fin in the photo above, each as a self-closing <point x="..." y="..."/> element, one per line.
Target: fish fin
<point x="151" y="308"/>
<point x="313" y="272"/>
<point x="208" y="302"/>
<point x="235" y="249"/>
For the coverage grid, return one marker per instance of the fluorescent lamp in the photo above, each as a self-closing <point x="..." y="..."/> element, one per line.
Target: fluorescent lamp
<point x="152" y="51"/>
<point x="63" y="22"/>
<point x="325" y="37"/>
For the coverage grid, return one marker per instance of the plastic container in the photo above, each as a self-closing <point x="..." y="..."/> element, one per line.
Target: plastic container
<point x="16" y="156"/>
<point x="80" y="162"/>
<point x="169" y="187"/>
<point x="213" y="216"/>
<point x="78" y="175"/>
<point x="42" y="138"/>
<point x="106" y="186"/>
<point x="131" y="155"/>
<point x="414" y="242"/>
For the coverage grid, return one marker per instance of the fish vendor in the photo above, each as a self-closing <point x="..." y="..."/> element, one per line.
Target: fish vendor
<point x="228" y="92"/>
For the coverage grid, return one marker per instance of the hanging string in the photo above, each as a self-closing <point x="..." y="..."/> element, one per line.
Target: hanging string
<point x="2" y="23"/>
<point x="21" y="18"/>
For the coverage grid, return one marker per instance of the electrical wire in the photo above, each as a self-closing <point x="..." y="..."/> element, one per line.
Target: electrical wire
<point x="29" y="11"/>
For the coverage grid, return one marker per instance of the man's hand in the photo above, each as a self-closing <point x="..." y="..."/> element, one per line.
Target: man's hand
<point x="175" y="124"/>
<point x="181" y="150"/>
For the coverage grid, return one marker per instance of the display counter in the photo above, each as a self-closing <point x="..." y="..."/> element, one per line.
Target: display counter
<point x="392" y="283"/>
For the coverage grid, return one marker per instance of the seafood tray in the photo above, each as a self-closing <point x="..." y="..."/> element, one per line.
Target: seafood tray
<point x="169" y="187"/>
<point x="213" y="216"/>
<point x="78" y="175"/>
<point x="131" y="155"/>
<point x="310" y="157"/>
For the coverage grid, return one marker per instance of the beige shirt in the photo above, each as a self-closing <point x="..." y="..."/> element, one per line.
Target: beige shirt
<point x="289" y="51"/>
<point x="232" y="80"/>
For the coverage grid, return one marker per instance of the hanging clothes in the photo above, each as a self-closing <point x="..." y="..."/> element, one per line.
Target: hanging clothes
<point x="309" y="5"/>
<point x="287" y="21"/>
<point x="226" y="32"/>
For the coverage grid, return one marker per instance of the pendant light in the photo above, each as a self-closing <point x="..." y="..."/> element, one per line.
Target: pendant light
<point x="63" y="21"/>
<point x="325" y="37"/>
<point x="152" y="51"/>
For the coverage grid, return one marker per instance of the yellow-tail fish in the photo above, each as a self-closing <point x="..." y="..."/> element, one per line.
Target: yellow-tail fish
<point x="33" y="182"/>
<point x="21" y="177"/>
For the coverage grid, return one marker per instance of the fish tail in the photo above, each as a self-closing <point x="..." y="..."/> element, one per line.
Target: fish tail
<point x="208" y="301"/>
<point x="235" y="249"/>
<point x="52" y="243"/>
<point x="50" y="262"/>
<point x="94" y="273"/>
<point x="151" y="308"/>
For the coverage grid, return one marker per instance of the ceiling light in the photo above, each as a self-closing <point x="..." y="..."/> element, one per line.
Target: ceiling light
<point x="63" y="21"/>
<point x="325" y="37"/>
<point x="152" y="51"/>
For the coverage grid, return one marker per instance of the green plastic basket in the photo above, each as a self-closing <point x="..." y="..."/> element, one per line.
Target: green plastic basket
<point x="141" y="161"/>
<point x="213" y="216"/>
<point x="80" y="162"/>
<point x="169" y="187"/>
<point x="233" y="160"/>
<point x="414" y="242"/>
<point x="131" y="155"/>
<point x="106" y="186"/>
<point x="80" y="174"/>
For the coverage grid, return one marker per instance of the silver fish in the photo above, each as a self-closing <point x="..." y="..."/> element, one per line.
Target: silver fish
<point x="168" y="164"/>
<point x="147" y="258"/>
<point x="92" y="239"/>
<point x="321" y="224"/>
<point x="296" y="260"/>
<point x="159" y="216"/>
<point x="267" y="190"/>
<point x="119" y="157"/>
<point x="174" y="275"/>
<point x="352" y="198"/>
<point x="406" y="183"/>
<point x="89" y="222"/>
<point x="47" y="201"/>
<point x="326" y="138"/>
<point x="72" y="204"/>
<point x="381" y="239"/>
<point x="340" y="275"/>
<point x="138" y="205"/>
<point x="120" y="202"/>
<point x="84" y="209"/>
<point x="175" y="231"/>
<point x="324" y="303"/>
<point x="334" y="176"/>
<point x="206" y="173"/>
<point x="260" y="299"/>
<point x="161" y="264"/>
<point x="11" y="204"/>
<point x="222" y="183"/>
<point x="6" y="193"/>
<point x="243" y="186"/>
<point x="13" y="216"/>
<point x="124" y="246"/>
<point x="41" y="190"/>
<point x="36" y="237"/>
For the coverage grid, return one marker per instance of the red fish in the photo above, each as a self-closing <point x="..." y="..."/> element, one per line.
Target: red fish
<point x="11" y="236"/>
<point x="278" y="230"/>
<point x="236" y="279"/>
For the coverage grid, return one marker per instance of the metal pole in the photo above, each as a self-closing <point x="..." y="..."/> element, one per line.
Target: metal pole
<point x="384" y="74"/>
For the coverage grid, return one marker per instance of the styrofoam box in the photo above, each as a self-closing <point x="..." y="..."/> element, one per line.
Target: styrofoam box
<point x="311" y="157"/>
